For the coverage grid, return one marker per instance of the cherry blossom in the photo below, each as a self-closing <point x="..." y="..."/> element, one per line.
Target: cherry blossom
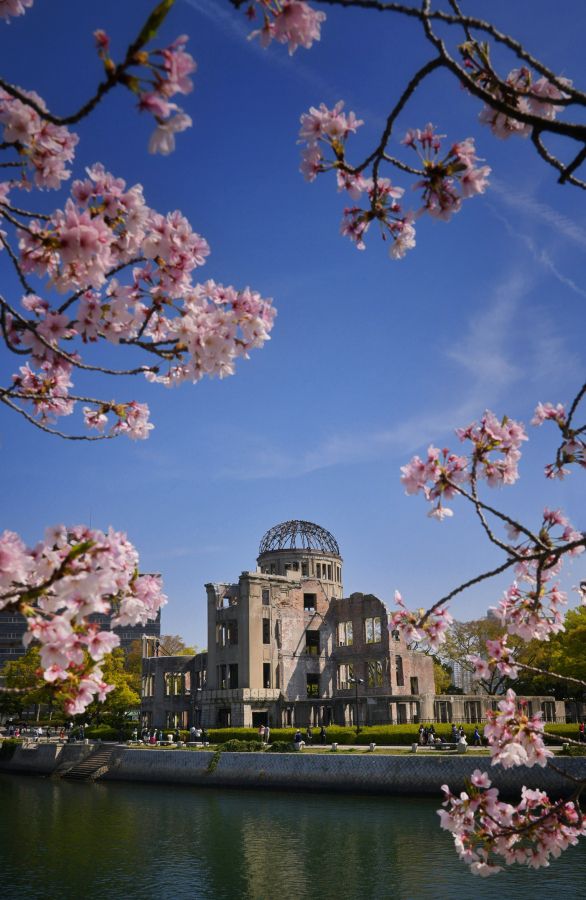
<point x="9" y="8"/>
<point x="515" y="738"/>
<point x="59" y="584"/>
<point x="490" y="436"/>
<point x="532" y="613"/>
<point x="202" y="329"/>
<point x="573" y="447"/>
<point x="437" y="478"/>
<point x="500" y="657"/>
<point x="46" y="148"/>
<point x="291" y="22"/>
<point x="448" y="179"/>
<point x="488" y="832"/>
<point x="528" y="96"/>
<point x="162" y="139"/>
<point x="430" y="628"/>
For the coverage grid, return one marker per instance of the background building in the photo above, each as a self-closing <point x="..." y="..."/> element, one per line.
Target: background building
<point x="13" y="627"/>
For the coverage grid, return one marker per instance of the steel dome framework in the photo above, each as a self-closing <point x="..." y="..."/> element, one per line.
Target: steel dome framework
<point x="299" y="535"/>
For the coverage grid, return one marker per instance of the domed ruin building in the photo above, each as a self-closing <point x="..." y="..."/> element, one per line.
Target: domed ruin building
<point x="286" y="647"/>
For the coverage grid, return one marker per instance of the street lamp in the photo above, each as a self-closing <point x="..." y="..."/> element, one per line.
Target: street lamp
<point x="356" y="682"/>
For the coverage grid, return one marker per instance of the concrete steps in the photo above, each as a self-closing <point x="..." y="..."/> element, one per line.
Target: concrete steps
<point x="92" y="767"/>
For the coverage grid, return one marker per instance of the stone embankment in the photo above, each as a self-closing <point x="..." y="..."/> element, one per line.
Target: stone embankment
<point x="381" y="774"/>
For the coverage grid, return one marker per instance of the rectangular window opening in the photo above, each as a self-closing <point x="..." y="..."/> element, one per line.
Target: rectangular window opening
<point x="345" y="634"/>
<point x="372" y="630"/>
<point x="312" y="643"/>
<point x="399" y="671"/>
<point x="266" y="675"/>
<point x="375" y="673"/>
<point x="312" y="685"/>
<point x="309" y="602"/>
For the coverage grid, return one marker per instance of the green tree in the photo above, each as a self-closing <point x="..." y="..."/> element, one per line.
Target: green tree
<point x="24" y="679"/>
<point x="442" y="676"/>
<point x="133" y="665"/>
<point x="174" y="645"/>
<point x="122" y="700"/>
<point x="563" y="654"/>
<point x="469" y="639"/>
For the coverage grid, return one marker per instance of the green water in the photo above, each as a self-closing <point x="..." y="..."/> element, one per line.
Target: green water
<point x="68" y="840"/>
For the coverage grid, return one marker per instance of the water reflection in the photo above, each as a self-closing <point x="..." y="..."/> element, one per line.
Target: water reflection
<point x="68" y="840"/>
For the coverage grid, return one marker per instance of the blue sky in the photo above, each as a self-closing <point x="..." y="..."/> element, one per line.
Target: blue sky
<point x="370" y="360"/>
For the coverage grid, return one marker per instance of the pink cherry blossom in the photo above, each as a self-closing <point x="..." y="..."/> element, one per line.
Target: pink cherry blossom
<point x="499" y="657"/>
<point x="545" y="411"/>
<point x="437" y="478"/>
<point x="75" y="573"/>
<point x="488" y="832"/>
<point x="162" y="139"/>
<point x="430" y="629"/>
<point x="525" y="95"/>
<point x="291" y="22"/>
<point x="448" y="179"/>
<point x="491" y="436"/>
<point x="514" y="737"/>
<point x="9" y="8"/>
<point x="532" y="614"/>
<point x="48" y="148"/>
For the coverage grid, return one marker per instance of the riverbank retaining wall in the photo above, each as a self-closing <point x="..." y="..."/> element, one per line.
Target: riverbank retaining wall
<point x="380" y="774"/>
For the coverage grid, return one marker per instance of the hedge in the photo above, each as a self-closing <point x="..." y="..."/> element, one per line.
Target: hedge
<point x="236" y="746"/>
<point x="383" y="735"/>
<point x="106" y="732"/>
<point x="564" y="731"/>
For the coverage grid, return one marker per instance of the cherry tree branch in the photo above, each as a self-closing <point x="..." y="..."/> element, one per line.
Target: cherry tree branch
<point x="53" y="431"/>
<point x="116" y="76"/>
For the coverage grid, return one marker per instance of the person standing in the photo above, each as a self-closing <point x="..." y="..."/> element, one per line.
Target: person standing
<point x="323" y="734"/>
<point x="581" y="734"/>
<point x="309" y="735"/>
<point x="476" y="739"/>
<point x="261" y="733"/>
<point x="267" y="734"/>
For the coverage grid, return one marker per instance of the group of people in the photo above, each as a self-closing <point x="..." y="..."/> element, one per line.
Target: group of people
<point x="157" y="736"/>
<point x="299" y="739"/>
<point x="428" y="736"/>
<point x="198" y="735"/>
<point x="50" y="732"/>
<point x="264" y="733"/>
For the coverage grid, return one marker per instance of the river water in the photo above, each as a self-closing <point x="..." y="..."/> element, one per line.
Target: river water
<point x="60" y="839"/>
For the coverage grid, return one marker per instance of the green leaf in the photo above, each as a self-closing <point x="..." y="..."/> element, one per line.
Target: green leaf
<point x="153" y="23"/>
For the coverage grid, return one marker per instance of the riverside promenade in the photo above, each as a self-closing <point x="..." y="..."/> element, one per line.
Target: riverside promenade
<point x="412" y="774"/>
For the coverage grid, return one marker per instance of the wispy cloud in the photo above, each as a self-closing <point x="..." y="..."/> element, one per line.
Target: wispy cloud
<point x="539" y="254"/>
<point x="484" y="357"/>
<point x="527" y="205"/>
<point x="482" y="351"/>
